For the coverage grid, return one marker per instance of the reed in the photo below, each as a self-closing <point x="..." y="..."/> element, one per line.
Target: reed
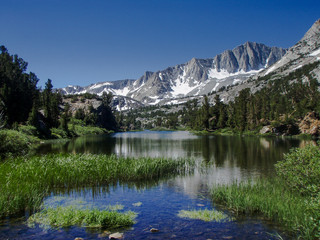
<point x="25" y="182"/>
<point x="273" y="200"/>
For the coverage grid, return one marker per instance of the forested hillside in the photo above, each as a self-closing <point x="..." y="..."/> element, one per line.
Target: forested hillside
<point x="23" y="103"/>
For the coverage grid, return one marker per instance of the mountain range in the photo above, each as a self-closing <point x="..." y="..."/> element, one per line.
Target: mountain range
<point x="228" y="73"/>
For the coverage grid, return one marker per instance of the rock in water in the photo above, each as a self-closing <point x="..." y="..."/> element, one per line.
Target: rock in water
<point x="116" y="235"/>
<point x="153" y="230"/>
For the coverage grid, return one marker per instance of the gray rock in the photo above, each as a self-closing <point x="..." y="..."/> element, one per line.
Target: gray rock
<point x="266" y="129"/>
<point x="116" y="235"/>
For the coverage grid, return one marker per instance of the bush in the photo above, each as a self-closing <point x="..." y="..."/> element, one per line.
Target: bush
<point x="58" y="133"/>
<point x="15" y="143"/>
<point x="300" y="170"/>
<point x="28" y="130"/>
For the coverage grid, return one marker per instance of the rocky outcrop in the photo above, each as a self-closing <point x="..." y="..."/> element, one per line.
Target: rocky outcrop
<point x="281" y="130"/>
<point x="304" y="52"/>
<point x="310" y="124"/>
<point x="247" y="57"/>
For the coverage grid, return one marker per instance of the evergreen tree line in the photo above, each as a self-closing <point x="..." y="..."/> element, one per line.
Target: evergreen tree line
<point x="22" y="102"/>
<point x="283" y="101"/>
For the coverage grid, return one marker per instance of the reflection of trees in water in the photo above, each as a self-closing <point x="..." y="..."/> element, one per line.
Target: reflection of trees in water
<point x="247" y="153"/>
<point x="96" y="144"/>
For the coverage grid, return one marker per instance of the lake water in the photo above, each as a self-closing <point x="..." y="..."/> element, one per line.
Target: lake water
<point x="226" y="159"/>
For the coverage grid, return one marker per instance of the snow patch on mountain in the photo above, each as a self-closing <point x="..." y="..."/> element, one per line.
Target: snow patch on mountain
<point x="223" y="73"/>
<point x="315" y="53"/>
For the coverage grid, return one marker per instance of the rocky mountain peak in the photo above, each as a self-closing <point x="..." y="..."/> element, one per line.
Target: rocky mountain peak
<point x="193" y="78"/>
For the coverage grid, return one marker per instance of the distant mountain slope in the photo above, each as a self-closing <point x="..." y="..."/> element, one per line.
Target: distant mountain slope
<point x="305" y="54"/>
<point x="196" y="77"/>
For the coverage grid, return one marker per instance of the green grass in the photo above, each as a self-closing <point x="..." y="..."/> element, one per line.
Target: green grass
<point x="26" y="181"/>
<point x="204" y="215"/>
<point x="70" y="216"/>
<point x="273" y="200"/>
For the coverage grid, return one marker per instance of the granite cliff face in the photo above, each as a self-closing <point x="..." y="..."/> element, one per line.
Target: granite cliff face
<point x="304" y="54"/>
<point x="194" y="78"/>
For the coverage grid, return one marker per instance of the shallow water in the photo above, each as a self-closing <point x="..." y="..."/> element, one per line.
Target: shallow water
<point x="226" y="159"/>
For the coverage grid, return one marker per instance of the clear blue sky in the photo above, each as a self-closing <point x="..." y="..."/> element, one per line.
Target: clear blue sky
<point x="81" y="42"/>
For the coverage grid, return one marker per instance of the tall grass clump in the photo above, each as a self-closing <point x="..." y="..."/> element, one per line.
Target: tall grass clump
<point x="26" y="181"/>
<point x="292" y="198"/>
<point x="70" y="216"/>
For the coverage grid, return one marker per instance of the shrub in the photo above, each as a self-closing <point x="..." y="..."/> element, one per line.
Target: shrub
<point x="58" y="133"/>
<point x="15" y="143"/>
<point x="300" y="170"/>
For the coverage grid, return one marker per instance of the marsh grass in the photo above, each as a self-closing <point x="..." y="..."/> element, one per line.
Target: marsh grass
<point x="204" y="215"/>
<point x="70" y="216"/>
<point x="25" y="182"/>
<point x="273" y="200"/>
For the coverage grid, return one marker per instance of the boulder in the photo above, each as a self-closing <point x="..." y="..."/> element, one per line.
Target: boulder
<point x="310" y="124"/>
<point x="266" y="129"/>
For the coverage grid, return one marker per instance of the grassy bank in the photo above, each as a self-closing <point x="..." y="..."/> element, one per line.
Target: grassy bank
<point x="291" y="199"/>
<point x="227" y="132"/>
<point x="24" y="138"/>
<point x="26" y="181"/>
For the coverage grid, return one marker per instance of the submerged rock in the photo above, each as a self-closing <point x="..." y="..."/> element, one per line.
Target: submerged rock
<point x="104" y="234"/>
<point x="116" y="235"/>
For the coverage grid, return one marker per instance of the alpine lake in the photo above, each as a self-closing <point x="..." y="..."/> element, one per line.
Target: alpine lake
<point x="219" y="160"/>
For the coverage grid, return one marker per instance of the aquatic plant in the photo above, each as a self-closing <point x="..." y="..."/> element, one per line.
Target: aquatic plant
<point x="25" y="182"/>
<point x="204" y="215"/>
<point x="69" y="216"/>
<point x="137" y="204"/>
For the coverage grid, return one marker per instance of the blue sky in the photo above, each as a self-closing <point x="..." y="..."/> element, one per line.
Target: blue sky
<point x="77" y="42"/>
